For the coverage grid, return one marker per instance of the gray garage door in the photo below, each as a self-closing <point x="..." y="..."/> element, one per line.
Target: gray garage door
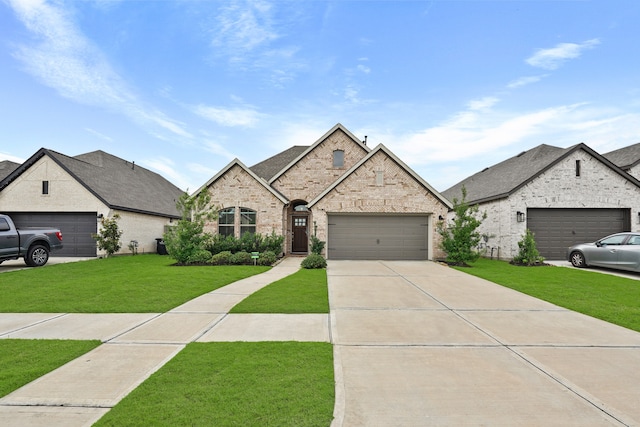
<point x="557" y="229"/>
<point x="377" y="237"/>
<point x="76" y="228"/>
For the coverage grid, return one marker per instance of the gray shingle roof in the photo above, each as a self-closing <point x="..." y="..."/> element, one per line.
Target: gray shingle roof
<point x="266" y="169"/>
<point x="116" y="182"/>
<point x="504" y="178"/>
<point x="6" y="167"/>
<point x="501" y="179"/>
<point x="625" y="158"/>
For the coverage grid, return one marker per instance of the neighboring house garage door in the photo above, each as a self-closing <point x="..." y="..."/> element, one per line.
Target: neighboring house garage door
<point x="399" y="237"/>
<point x="557" y="229"/>
<point x="76" y="230"/>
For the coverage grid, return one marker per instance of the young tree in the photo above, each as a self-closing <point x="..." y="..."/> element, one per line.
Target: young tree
<point x="186" y="242"/>
<point x="460" y="237"/>
<point x="109" y="236"/>
<point x="528" y="252"/>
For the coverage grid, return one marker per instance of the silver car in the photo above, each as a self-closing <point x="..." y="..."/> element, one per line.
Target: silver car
<point x="620" y="251"/>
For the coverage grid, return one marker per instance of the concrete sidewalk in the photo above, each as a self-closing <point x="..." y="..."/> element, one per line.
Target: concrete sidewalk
<point x="137" y="345"/>
<point x="420" y="344"/>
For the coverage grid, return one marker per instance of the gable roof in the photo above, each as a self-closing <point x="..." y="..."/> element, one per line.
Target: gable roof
<point x="266" y="169"/>
<point x="315" y="144"/>
<point x="400" y="163"/>
<point x="625" y="158"/>
<point x="6" y="167"/>
<point x="116" y="182"/>
<point x="503" y="179"/>
<point x="236" y="162"/>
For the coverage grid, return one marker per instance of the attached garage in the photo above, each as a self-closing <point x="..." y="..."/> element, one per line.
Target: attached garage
<point x="377" y="237"/>
<point x="557" y="229"/>
<point x="76" y="228"/>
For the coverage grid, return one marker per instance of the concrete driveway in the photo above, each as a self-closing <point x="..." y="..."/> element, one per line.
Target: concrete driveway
<point x="420" y="344"/>
<point x="18" y="264"/>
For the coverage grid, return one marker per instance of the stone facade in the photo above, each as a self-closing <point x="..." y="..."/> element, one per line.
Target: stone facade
<point x="598" y="186"/>
<point x="237" y="188"/>
<point x="315" y="172"/>
<point x="380" y="184"/>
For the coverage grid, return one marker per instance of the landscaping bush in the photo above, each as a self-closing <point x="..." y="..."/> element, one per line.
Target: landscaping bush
<point x="249" y="242"/>
<point x="200" y="256"/>
<point x="317" y="245"/>
<point x="221" y="258"/>
<point x="240" y="258"/>
<point x="267" y="258"/>
<point x="314" y="261"/>
<point x="528" y="253"/>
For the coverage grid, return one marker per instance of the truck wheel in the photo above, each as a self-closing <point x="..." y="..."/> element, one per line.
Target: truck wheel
<point x="37" y="256"/>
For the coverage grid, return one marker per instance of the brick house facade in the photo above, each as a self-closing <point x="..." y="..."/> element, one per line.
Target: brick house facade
<point x="564" y="196"/>
<point x="337" y="176"/>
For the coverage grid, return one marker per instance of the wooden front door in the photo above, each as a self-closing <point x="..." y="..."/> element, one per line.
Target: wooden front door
<point x="300" y="240"/>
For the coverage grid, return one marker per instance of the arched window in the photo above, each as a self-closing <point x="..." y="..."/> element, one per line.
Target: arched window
<point x="247" y="221"/>
<point x="226" y="221"/>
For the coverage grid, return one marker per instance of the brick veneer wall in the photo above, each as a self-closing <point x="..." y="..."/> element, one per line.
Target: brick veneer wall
<point x="398" y="193"/>
<point x="237" y="189"/>
<point x="315" y="172"/>
<point x="597" y="187"/>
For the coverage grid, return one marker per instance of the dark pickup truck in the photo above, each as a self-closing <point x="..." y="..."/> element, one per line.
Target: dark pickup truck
<point x="32" y="244"/>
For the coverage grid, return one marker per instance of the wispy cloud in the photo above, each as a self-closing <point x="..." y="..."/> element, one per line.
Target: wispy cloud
<point x="167" y="168"/>
<point x="230" y="117"/>
<point x="471" y="133"/>
<point x="99" y="135"/>
<point x="483" y="103"/>
<point x="64" y="59"/>
<point x="242" y="26"/>
<point x="524" y="81"/>
<point x="5" y="156"/>
<point x="553" y="58"/>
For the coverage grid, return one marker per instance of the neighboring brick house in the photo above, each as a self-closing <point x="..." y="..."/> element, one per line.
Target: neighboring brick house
<point x="6" y="167"/>
<point x="73" y="193"/>
<point x="364" y="203"/>
<point x="627" y="159"/>
<point x="564" y="196"/>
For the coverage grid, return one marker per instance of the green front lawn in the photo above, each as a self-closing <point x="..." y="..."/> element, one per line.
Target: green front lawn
<point x="127" y="284"/>
<point x="22" y="361"/>
<point x="604" y="296"/>
<point x="235" y="384"/>
<point x="301" y="292"/>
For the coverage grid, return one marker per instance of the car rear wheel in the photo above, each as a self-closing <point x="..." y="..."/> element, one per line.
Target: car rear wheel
<point x="37" y="256"/>
<point x="577" y="260"/>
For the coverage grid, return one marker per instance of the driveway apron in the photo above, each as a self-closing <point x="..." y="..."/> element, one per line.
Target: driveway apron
<point x="421" y="344"/>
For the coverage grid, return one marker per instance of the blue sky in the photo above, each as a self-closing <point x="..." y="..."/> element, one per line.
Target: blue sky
<point x="184" y="87"/>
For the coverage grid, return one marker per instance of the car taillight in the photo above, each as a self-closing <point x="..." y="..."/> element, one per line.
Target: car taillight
<point x="59" y="235"/>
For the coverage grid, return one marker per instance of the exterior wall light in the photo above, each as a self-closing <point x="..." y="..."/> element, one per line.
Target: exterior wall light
<point x="520" y="216"/>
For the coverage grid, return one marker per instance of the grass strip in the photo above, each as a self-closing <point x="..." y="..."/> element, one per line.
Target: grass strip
<point x="604" y="296"/>
<point x="22" y="361"/>
<point x="302" y="292"/>
<point x="235" y="384"/>
<point x="125" y="284"/>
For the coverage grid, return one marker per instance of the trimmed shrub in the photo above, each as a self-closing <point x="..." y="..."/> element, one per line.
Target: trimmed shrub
<point x="528" y="253"/>
<point x="317" y="245"/>
<point x="240" y="258"/>
<point x="267" y="258"/>
<point x="198" y="257"/>
<point x="221" y="258"/>
<point x="249" y="242"/>
<point x="314" y="261"/>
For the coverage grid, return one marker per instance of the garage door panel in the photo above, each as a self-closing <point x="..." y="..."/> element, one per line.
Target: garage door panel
<point x="557" y="229"/>
<point x="377" y="237"/>
<point x="77" y="229"/>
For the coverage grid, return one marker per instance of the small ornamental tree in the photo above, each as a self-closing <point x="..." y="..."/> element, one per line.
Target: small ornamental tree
<point x="528" y="253"/>
<point x="460" y="237"/>
<point x="187" y="241"/>
<point x="108" y="237"/>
